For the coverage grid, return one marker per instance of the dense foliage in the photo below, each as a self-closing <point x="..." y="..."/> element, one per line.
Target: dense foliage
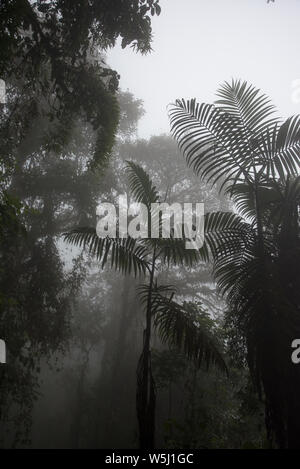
<point x="255" y="156"/>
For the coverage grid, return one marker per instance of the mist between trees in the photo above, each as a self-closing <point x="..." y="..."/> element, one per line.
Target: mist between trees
<point x="139" y="342"/>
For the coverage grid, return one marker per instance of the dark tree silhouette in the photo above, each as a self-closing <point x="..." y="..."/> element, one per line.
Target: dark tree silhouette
<point x="176" y="323"/>
<point x="241" y="144"/>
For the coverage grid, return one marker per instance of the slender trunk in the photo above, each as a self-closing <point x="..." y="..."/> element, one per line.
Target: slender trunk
<point x="146" y="397"/>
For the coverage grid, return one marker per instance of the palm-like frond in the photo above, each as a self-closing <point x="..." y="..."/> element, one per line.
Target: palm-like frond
<point x="278" y="200"/>
<point x="278" y="149"/>
<point x="237" y="140"/>
<point x="244" y="198"/>
<point x="238" y="267"/>
<point x="225" y="233"/>
<point x="173" y="251"/>
<point x="178" y="325"/>
<point x="156" y="292"/>
<point x="256" y="260"/>
<point x="124" y="254"/>
<point x="141" y="186"/>
<point x="211" y="141"/>
<point x="283" y="209"/>
<point x="248" y="105"/>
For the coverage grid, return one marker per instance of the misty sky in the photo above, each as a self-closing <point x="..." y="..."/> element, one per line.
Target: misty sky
<point x="200" y="43"/>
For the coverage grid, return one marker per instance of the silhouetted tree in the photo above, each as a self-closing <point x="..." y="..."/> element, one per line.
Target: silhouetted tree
<point x="176" y="323"/>
<point x="256" y="157"/>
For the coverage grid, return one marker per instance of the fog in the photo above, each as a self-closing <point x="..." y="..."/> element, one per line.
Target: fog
<point x="196" y="43"/>
<point x="162" y="328"/>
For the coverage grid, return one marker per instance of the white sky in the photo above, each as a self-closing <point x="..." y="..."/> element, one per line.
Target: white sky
<point x="198" y="44"/>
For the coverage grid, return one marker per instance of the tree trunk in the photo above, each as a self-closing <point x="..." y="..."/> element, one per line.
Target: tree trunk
<point x="146" y="394"/>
